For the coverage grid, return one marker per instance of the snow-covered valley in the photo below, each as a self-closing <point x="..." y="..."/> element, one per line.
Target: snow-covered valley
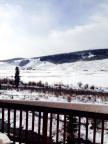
<point x="88" y="72"/>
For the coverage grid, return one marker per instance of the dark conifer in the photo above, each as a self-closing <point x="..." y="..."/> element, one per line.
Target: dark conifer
<point x="17" y="77"/>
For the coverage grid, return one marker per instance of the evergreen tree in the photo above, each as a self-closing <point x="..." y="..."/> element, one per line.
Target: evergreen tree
<point x="17" y="77"/>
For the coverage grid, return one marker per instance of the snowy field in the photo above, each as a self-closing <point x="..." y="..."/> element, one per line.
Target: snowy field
<point x="40" y="96"/>
<point x="88" y="72"/>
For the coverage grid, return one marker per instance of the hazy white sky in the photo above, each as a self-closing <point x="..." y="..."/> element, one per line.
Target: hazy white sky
<point x="31" y="28"/>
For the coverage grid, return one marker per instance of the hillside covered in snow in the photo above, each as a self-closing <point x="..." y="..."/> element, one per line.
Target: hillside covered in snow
<point x="88" y="67"/>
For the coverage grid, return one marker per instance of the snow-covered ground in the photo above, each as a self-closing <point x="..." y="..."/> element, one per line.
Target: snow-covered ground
<point x="40" y="96"/>
<point x="88" y="72"/>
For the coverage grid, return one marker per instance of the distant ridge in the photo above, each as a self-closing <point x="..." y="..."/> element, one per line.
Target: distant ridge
<point x="11" y="59"/>
<point x="87" y="55"/>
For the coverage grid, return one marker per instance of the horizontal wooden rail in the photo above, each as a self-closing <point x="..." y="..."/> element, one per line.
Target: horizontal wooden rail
<point x="95" y="108"/>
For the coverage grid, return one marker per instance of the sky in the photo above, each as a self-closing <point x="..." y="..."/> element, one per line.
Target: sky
<point x="32" y="28"/>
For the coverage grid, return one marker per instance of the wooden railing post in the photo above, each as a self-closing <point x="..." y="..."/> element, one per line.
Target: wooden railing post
<point x="45" y="126"/>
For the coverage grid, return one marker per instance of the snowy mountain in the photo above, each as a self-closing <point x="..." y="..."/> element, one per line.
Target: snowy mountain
<point x="78" y="60"/>
<point x="77" y="56"/>
<point x="88" y="55"/>
<point x="89" y="67"/>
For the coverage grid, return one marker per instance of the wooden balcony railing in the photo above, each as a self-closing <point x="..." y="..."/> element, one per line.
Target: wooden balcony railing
<point x="36" y="122"/>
